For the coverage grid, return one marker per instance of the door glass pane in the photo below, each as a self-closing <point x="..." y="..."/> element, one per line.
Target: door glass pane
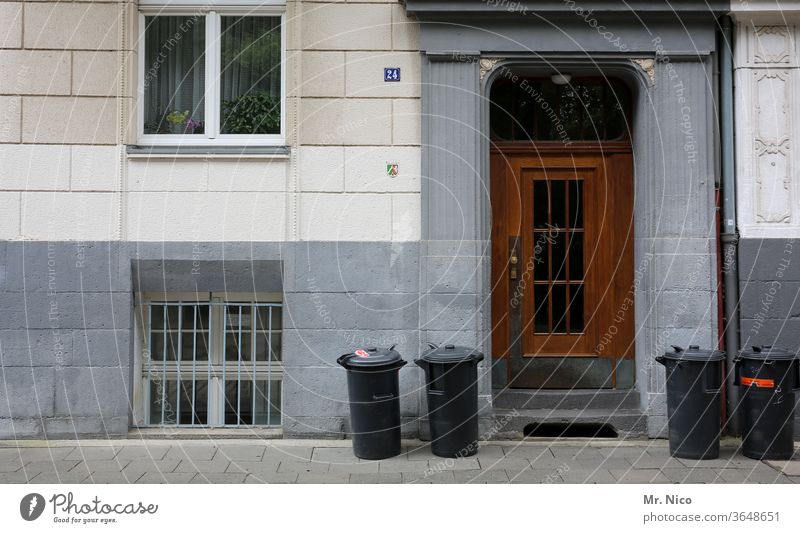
<point x="576" y="256"/>
<point x="174" y="75"/>
<point x="541" y="256"/>
<point x="541" y="306"/>
<point x="558" y="252"/>
<point x="558" y="249"/>
<point x="559" y="296"/>
<point x="576" y="204"/>
<point x="558" y="203"/>
<point x="576" y="310"/>
<point x="250" y="81"/>
<point x="541" y="200"/>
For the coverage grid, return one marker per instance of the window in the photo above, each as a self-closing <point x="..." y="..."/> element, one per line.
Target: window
<point x="210" y="363"/>
<point x="211" y="77"/>
<point x="533" y="109"/>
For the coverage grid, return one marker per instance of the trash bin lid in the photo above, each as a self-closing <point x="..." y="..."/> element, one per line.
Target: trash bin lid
<point x="694" y="353"/>
<point x="449" y="353"/>
<point x="371" y="358"/>
<point x="766" y="352"/>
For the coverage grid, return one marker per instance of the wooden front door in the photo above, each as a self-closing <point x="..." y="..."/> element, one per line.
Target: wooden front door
<point x="562" y="258"/>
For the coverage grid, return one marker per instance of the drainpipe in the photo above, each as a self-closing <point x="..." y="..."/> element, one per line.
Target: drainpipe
<point x="729" y="236"/>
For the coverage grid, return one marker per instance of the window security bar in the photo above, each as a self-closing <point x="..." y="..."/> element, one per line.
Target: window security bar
<point x="212" y="364"/>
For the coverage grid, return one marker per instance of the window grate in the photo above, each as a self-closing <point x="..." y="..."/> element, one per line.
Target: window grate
<point x="215" y="364"/>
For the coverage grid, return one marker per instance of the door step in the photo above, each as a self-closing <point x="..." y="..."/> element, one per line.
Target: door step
<point x="566" y="399"/>
<point x="517" y="423"/>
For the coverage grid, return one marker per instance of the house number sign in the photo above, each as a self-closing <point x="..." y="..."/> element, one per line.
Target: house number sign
<point x="391" y="74"/>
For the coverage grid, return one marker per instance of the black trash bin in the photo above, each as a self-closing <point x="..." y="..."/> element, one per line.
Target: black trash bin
<point x="768" y="378"/>
<point x="373" y="386"/>
<point x="451" y="376"/>
<point x="694" y="382"/>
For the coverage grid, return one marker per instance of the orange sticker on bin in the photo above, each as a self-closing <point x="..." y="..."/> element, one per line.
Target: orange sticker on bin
<point x="758" y="382"/>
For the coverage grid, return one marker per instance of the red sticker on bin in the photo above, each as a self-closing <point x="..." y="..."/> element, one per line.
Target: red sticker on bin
<point x="760" y="383"/>
<point x="361" y="353"/>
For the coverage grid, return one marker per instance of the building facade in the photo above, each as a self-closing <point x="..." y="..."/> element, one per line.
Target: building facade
<point x="206" y="203"/>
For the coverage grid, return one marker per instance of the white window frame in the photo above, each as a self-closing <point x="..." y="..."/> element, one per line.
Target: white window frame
<point x="212" y="13"/>
<point x="216" y="361"/>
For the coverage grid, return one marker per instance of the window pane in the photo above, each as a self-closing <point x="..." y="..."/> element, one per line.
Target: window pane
<point x="198" y="415"/>
<point x="268" y="403"/>
<point x="537" y="109"/>
<point x="163" y="401"/>
<point x="264" y="313"/>
<point x="262" y="342"/>
<point x="234" y="401"/>
<point x="189" y="351"/>
<point x="174" y="75"/>
<point x="161" y="345"/>
<point x="250" y="80"/>
<point x="240" y="402"/>
<point x="238" y="339"/>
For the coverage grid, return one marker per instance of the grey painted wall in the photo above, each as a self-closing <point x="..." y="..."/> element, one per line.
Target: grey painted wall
<point x="769" y="283"/>
<point x="66" y="321"/>
<point x="769" y="286"/>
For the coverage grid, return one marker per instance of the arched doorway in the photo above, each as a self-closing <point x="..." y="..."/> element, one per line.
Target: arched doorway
<point x="561" y="175"/>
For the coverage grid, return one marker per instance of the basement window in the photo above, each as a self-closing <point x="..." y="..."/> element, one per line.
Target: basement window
<point x="209" y="362"/>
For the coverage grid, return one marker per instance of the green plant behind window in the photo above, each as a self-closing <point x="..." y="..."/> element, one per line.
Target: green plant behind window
<point x="256" y="113"/>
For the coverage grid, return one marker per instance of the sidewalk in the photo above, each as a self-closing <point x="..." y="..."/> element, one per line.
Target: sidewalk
<point x="304" y="461"/>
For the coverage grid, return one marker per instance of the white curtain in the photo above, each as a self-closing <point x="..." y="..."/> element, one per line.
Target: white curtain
<point x="174" y="75"/>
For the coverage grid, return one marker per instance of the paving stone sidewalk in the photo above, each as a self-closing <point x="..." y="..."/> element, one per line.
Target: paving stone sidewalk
<point x="304" y="461"/>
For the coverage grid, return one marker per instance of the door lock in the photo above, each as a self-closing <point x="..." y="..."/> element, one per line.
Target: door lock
<point x="513" y="260"/>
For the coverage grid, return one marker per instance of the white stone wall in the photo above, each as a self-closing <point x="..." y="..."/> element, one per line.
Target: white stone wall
<point x="350" y="123"/>
<point x="60" y="119"/>
<point x="767" y="118"/>
<point x="67" y="109"/>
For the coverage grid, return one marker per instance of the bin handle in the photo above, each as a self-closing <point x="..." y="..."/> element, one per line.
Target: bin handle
<point x="432" y="345"/>
<point x="663" y="360"/>
<point x="341" y="358"/>
<point x="710" y="390"/>
<point x="435" y="392"/>
<point x="387" y="396"/>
